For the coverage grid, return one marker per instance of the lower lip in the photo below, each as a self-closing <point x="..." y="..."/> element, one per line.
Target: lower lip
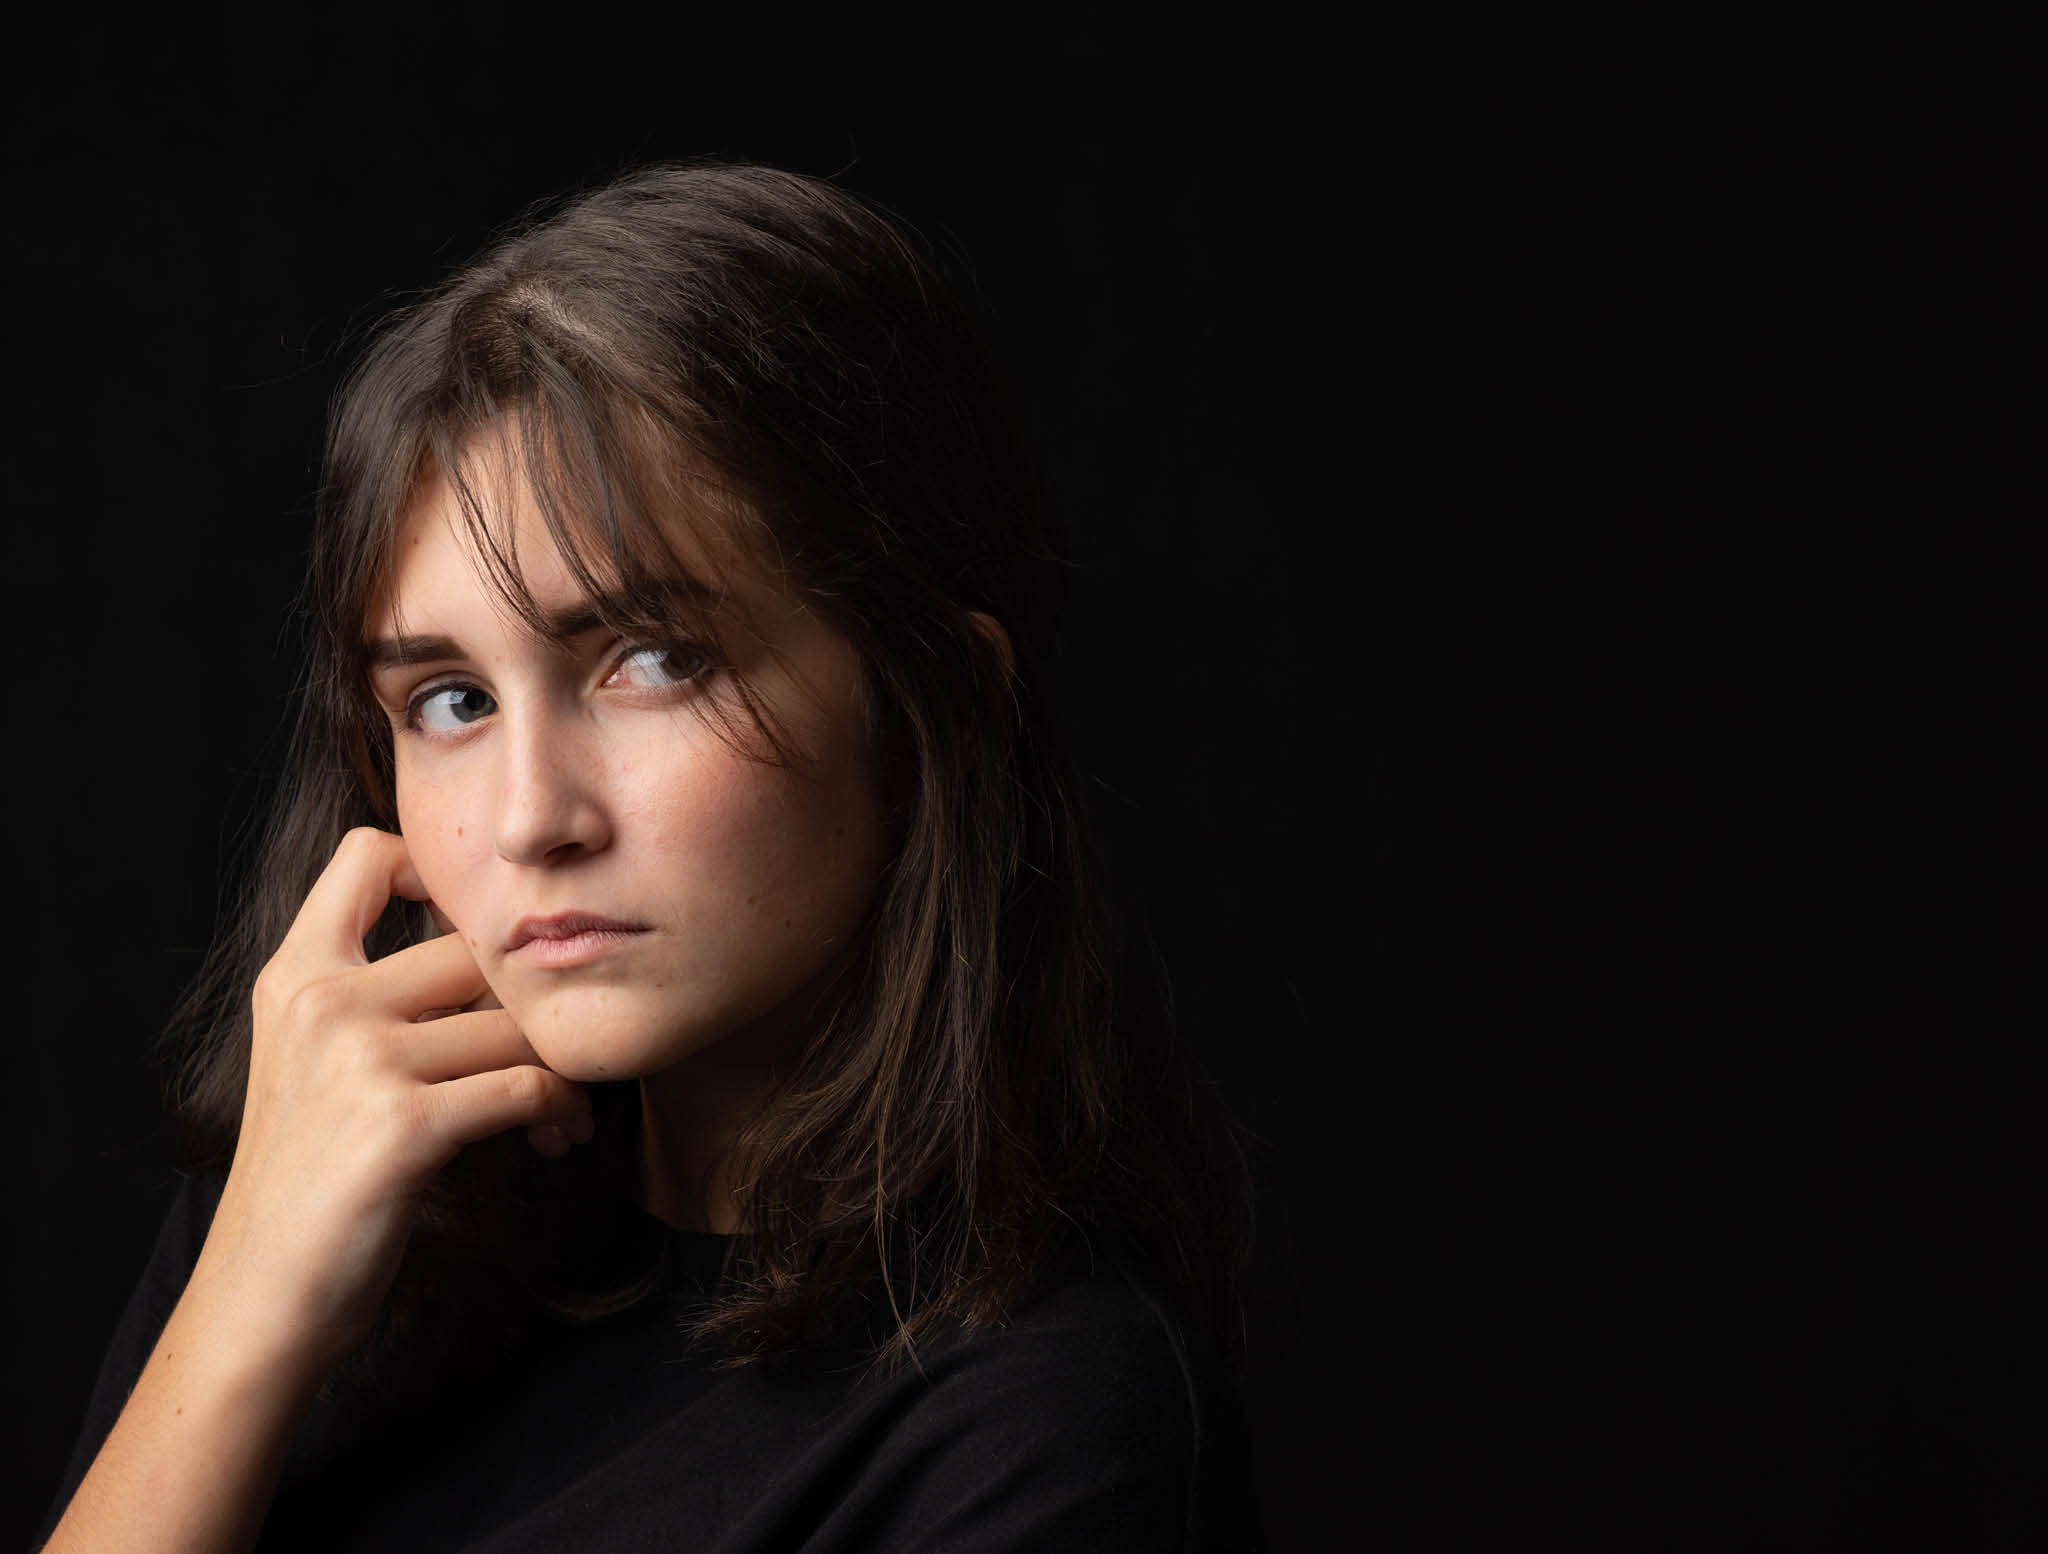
<point x="578" y="949"/>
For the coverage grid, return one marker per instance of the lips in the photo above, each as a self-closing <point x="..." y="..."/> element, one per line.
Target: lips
<point x="567" y="926"/>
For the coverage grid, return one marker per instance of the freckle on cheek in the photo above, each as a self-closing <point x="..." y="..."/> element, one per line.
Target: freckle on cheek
<point x="458" y="830"/>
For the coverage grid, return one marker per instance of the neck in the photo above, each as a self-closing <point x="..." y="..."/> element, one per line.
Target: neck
<point x="690" y="1116"/>
<point x="691" y="1113"/>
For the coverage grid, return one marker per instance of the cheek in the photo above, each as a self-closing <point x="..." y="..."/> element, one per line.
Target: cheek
<point x="715" y="826"/>
<point x="758" y="845"/>
<point x="440" y="837"/>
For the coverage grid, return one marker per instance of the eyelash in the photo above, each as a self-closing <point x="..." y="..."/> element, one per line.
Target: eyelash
<point x="409" y="716"/>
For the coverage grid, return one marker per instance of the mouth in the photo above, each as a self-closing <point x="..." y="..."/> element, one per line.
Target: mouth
<point x="570" y="938"/>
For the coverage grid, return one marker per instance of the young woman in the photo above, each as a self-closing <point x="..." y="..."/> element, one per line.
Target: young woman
<point x="677" y="1081"/>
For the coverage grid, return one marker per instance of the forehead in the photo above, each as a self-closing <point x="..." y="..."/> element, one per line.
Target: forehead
<point x="485" y="533"/>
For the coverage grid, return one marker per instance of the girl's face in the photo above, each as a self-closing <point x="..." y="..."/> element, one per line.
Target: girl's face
<point x="633" y="887"/>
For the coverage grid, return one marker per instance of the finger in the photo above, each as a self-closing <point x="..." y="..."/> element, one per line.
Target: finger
<point x="473" y="1043"/>
<point x="437" y="974"/>
<point x="478" y="1105"/>
<point x="549" y="1140"/>
<point x="366" y="871"/>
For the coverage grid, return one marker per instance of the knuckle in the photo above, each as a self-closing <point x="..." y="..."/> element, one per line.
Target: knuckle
<point x="264" y="993"/>
<point x="358" y="1048"/>
<point x="317" y="1003"/>
<point x="404" y="1114"/>
<point x="525" y="1088"/>
<point x="360" y="842"/>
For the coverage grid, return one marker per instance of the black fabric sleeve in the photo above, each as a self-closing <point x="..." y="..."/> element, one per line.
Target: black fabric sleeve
<point x="149" y="1307"/>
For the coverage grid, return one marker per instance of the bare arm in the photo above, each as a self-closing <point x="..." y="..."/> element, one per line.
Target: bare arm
<point x="193" y="1460"/>
<point x="356" y="1098"/>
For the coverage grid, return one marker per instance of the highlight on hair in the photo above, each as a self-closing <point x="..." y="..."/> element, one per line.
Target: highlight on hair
<point x="743" y="364"/>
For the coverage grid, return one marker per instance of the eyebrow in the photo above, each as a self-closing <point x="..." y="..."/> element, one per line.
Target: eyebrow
<point x="557" y="625"/>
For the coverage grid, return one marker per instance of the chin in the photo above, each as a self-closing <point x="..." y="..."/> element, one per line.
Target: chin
<point x="584" y="1040"/>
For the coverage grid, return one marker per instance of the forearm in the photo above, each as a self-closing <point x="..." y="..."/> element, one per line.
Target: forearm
<point x="355" y="1100"/>
<point x="193" y="1460"/>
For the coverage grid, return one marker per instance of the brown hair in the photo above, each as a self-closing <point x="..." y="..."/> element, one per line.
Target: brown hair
<point x="786" y="368"/>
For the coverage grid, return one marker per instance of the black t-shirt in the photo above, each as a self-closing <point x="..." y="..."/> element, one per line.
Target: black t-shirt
<point x="1085" y="1422"/>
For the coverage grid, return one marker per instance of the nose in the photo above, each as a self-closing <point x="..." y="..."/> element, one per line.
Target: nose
<point x="551" y="804"/>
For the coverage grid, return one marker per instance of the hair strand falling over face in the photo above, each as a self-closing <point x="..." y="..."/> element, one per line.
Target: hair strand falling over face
<point x="778" y="367"/>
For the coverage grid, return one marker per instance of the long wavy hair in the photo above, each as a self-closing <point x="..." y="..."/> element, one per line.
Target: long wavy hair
<point x="786" y="371"/>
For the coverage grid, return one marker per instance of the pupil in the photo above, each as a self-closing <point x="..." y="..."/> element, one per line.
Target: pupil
<point x="469" y="705"/>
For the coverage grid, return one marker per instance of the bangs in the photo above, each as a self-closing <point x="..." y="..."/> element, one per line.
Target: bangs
<point x="651" y="552"/>
<point x="654" y="540"/>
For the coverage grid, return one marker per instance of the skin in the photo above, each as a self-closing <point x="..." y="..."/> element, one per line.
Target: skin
<point x="588" y="784"/>
<point x="356" y="1098"/>
<point x="533" y="780"/>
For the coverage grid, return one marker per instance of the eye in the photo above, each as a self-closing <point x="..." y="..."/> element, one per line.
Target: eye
<point x="442" y="709"/>
<point x="661" y="665"/>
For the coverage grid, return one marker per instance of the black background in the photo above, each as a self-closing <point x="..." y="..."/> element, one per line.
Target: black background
<point x="1562" y="643"/>
<point x="198" y="216"/>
